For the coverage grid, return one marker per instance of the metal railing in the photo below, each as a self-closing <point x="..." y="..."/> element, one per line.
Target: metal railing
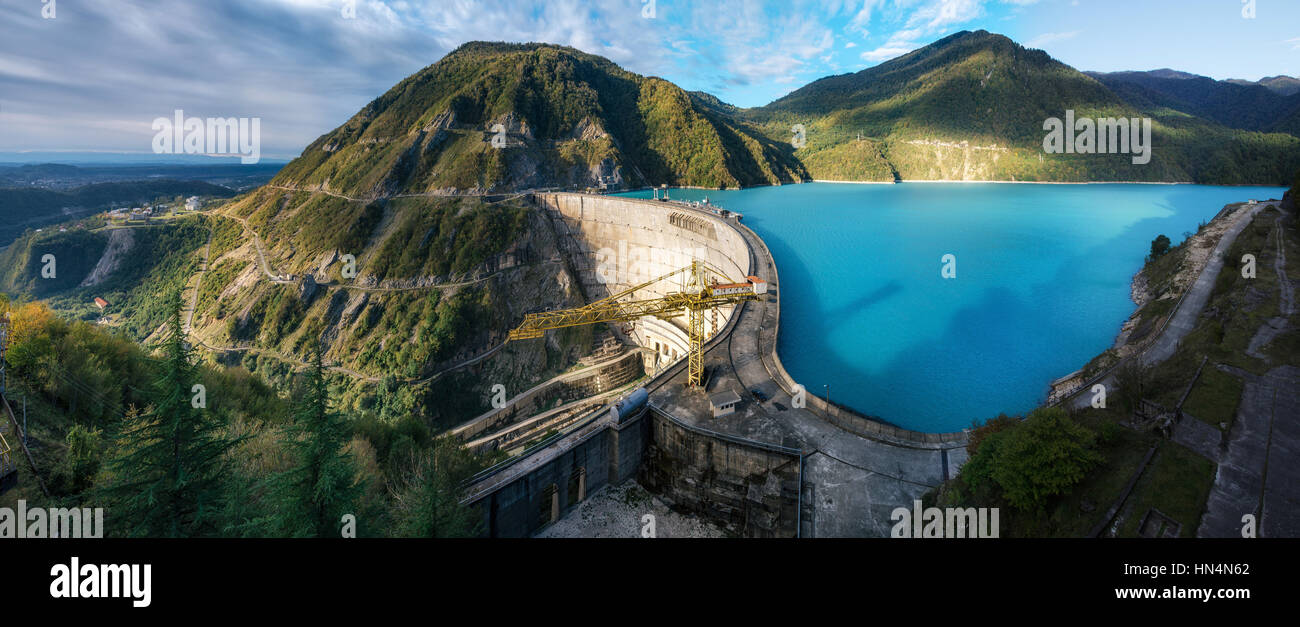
<point x="7" y="465"/>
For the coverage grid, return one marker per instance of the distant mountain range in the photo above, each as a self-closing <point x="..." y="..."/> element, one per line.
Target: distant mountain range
<point x="1271" y="107"/>
<point x="972" y="106"/>
<point x="1285" y="85"/>
<point x="493" y="117"/>
<point x="60" y="176"/>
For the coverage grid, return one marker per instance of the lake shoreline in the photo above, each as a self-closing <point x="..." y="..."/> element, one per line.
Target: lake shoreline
<point x="835" y="306"/>
<point x="944" y="181"/>
<point x="1184" y="277"/>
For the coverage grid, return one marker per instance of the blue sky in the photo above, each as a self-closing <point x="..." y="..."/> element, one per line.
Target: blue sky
<point x="95" y="76"/>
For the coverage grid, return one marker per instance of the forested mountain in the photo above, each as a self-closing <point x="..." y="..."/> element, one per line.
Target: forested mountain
<point x="1285" y="85"/>
<point x="1250" y="107"/>
<point x="500" y="117"/>
<point x="972" y="106"/>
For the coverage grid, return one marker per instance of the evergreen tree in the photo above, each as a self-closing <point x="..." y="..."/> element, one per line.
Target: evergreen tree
<point x="166" y="478"/>
<point x="1159" y="246"/>
<point x="311" y="498"/>
<point x="77" y="471"/>
<point x="428" y="501"/>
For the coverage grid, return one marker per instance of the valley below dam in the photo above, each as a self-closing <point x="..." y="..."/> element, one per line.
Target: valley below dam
<point x="1043" y="283"/>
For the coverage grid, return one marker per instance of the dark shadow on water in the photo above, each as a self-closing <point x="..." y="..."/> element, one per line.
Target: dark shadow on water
<point x="865" y="302"/>
<point x="991" y="352"/>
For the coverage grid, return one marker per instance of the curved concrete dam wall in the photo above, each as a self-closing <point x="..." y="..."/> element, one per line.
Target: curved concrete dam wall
<point x="617" y="243"/>
<point x="770" y="468"/>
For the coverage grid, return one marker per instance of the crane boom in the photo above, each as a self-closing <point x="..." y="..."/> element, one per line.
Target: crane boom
<point x="702" y="295"/>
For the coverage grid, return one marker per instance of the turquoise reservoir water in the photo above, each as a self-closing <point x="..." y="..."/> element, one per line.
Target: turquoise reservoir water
<point x="1042" y="286"/>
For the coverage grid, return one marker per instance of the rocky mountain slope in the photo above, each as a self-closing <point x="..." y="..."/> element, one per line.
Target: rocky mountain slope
<point x="500" y="117"/>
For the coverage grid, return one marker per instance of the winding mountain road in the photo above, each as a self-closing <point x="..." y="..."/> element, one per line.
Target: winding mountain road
<point x="348" y="371"/>
<point x="280" y="279"/>
<point x="284" y="279"/>
<point x="198" y="283"/>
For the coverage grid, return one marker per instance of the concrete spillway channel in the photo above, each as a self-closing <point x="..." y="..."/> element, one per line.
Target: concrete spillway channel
<point x="775" y="467"/>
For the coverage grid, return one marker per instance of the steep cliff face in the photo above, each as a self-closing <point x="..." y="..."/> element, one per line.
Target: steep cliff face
<point x="120" y="242"/>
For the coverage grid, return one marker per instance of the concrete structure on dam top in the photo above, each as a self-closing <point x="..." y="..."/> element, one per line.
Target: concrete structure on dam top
<point x="774" y="467"/>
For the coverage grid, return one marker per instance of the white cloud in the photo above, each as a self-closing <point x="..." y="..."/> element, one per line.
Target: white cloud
<point x="1047" y="38"/>
<point x="940" y="15"/>
<point x="884" y="53"/>
<point x="862" y="15"/>
<point x="926" y="20"/>
<point x="99" y="73"/>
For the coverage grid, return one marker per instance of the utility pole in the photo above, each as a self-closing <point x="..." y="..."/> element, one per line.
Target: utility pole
<point x="828" y="395"/>
<point x="24" y="420"/>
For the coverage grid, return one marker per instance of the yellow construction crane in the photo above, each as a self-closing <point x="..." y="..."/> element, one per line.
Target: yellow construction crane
<point x="702" y="292"/>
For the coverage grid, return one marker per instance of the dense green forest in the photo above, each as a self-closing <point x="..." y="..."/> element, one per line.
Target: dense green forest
<point x="161" y="260"/>
<point x="115" y="424"/>
<point x="1247" y="107"/>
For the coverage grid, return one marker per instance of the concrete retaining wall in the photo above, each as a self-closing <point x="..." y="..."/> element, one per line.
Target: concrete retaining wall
<point x="749" y="488"/>
<point x="526" y="498"/>
<point x="616" y="243"/>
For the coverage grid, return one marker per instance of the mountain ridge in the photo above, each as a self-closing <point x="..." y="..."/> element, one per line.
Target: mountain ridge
<point x="971" y="106"/>
<point x="499" y="117"/>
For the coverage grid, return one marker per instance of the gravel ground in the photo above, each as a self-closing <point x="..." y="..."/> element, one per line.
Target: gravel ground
<point x="618" y="512"/>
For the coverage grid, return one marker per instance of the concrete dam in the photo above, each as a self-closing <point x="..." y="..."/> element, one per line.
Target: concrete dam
<point x="785" y="463"/>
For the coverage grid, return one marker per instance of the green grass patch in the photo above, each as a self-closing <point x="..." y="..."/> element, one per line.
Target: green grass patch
<point x="1177" y="482"/>
<point x="1285" y="348"/>
<point x="1215" y="397"/>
